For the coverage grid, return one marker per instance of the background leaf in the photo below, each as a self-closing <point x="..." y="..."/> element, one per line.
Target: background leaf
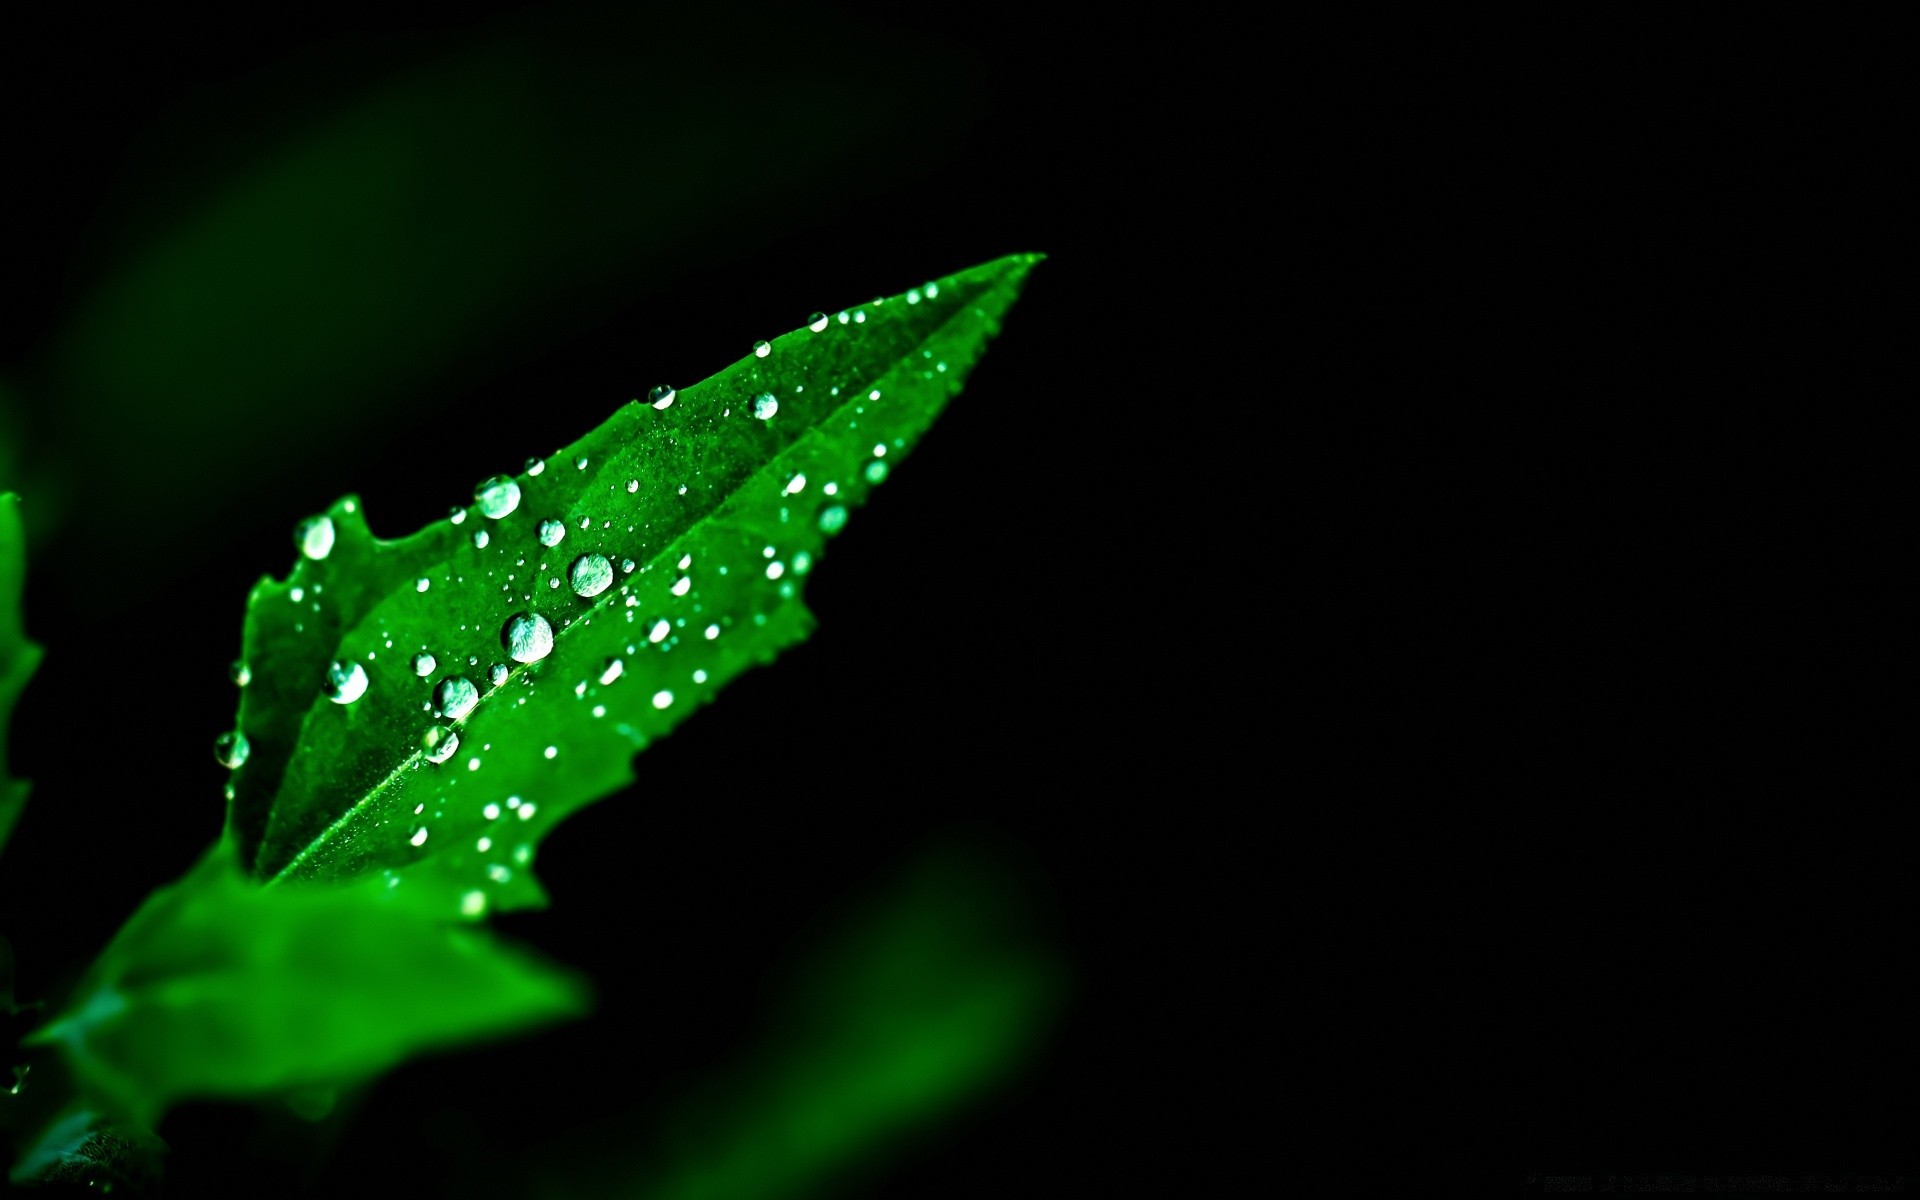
<point x="18" y="656"/>
<point x="218" y="987"/>
<point x="707" y="515"/>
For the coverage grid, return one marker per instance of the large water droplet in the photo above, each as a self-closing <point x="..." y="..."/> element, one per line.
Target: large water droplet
<point x="817" y="322"/>
<point x="551" y="531"/>
<point x="590" y="574"/>
<point x="231" y="749"/>
<point x="345" y="682"/>
<point x="661" y="397"/>
<point x="761" y="349"/>
<point x="455" y="697"/>
<point x="497" y="496"/>
<point x="424" y="663"/>
<point x="439" y="744"/>
<point x="528" y="637"/>
<point x="314" y="537"/>
<point x="833" y="518"/>
<point x="764" y="406"/>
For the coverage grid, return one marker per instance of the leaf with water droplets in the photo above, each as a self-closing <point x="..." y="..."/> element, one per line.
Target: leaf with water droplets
<point x="360" y="765"/>
<point x="18" y="656"/>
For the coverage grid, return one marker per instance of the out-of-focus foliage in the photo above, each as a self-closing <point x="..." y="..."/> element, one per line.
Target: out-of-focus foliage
<point x="279" y="306"/>
<point x="656" y="559"/>
<point x="927" y="1001"/>
<point x="18" y="656"/>
<point x="83" y="1149"/>
<point x="217" y="987"/>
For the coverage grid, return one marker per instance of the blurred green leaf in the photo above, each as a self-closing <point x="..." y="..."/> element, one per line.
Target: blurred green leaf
<point x="708" y="513"/>
<point x="18" y="656"/>
<point x="84" y="1149"/>
<point x="217" y="987"/>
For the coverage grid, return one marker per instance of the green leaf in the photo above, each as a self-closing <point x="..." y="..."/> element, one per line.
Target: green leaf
<point x="18" y="656"/>
<point x="217" y="987"/>
<point x="720" y="501"/>
<point x="81" y="1148"/>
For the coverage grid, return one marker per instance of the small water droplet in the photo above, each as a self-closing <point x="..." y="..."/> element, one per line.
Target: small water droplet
<point x="419" y="837"/>
<point x="527" y="637"/>
<point x="457" y="515"/>
<point x="423" y="584"/>
<point x="527" y="810"/>
<point x="474" y="903"/>
<point x="297" y="595"/>
<point x="314" y="537"/>
<point x="879" y="449"/>
<point x="456" y="697"/>
<point x="439" y="743"/>
<point x="590" y="574"/>
<point x="536" y="465"/>
<point x="492" y="813"/>
<point x="661" y="397"/>
<point x="761" y="349"/>
<point x="833" y="518"/>
<point x="551" y="751"/>
<point x="659" y="632"/>
<point x="662" y="698"/>
<point x="699" y="676"/>
<point x="612" y="670"/>
<point x="626" y="566"/>
<point x="713" y="631"/>
<point x="764" y="406"/>
<point x="682" y="585"/>
<point x="844" y="318"/>
<point x="498" y="674"/>
<point x="240" y="673"/>
<point x="817" y="322"/>
<point x="480" y="539"/>
<point x="345" y="682"/>
<point x="497" y="496"/>
<point x="832" y="489"/>
<point x="795" y="485"/>
<point x="231" y="749"/>
<point x="860" y="318"/>
<point x="913" y="297"/>
<point x="424" y="664"/>
<point x="580" y="464"/>
<point x="932" y="290"/>
<point x="876" y="472"/>
<point x="551" y="531"/>
<point x="775" y="570"/>
<point x="499" y="873"/>
<point x="802" y="563"/>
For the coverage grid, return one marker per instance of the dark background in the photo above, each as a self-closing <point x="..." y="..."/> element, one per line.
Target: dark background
<point x="990" y="660"/>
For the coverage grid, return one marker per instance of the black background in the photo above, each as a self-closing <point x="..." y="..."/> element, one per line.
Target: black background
<point x="992" y="662"/>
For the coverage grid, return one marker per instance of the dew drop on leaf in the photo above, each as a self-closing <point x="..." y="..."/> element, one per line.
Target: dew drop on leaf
<point x="662" y="698"/>
<point x="761" y="349"/>
<point x="346" y="682"/>
<point x="661" y="397"/>
<point x="498" y="674"/>
<point x="764" y="406"/>
<point x="659" y="631"/>
<point x="580" y="464"/>
<point x="876" y="472"/>
<point x="314" y="537"/>
<point x="590" y="574"/>
<point x="796" y="485"/>
<point x="551" y="531"/>
<point x="457" y="515"/>
<point x="633" y="485"/>
<point x="422" y="584"/>
<point x="419" y="837"/>
<point x="424" y="663"/>
<point x="817" y="322"/>
<point x="527" y="637"/>
<point x="612" y="670"/>
<point x="833" y="518"/>
<point x="473" y="904"/>
<point x="536" y="465"/>
<point x="480" y="539"/>
<point x="231" y="749"/>
<point x="626" y="566"/>
<point x="456" y="697"/>
<point x="497" y="496"/>
<point x="682" y="585"/>
<point x="240" y="673"/>
<point x="439" y="744"/>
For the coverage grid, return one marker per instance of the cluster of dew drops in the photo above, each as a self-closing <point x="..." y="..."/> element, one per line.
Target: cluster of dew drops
<point x="527" y="637"/>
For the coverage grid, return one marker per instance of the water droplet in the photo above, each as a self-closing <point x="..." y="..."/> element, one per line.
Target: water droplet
<point x="874" y="394"/>
<point x="580" y="464"/>
<point x="713" y="631"/>
<point x="498" y="674"/>
<point x="346" y="682"/>
<point x="860" y="318"/>
<point x="456" y="697"/>
<point x="314" y="537"/>
<point x="536" y="465"/>
<point x="424" y="663"/>
<point x="832" y="489"/>
<point x="876" y="472"/>
<point x="550" y="751"/>
<point x="590" y="574"/>
<point x="240" y="673"/>
<point x="775" y="570"/>
<point x="699" y="676"/>
<point x="659" y="631"/>
<point x="551" y="531"/>
<point x="457" y="515"/>
<point x="612" y="671"/>
<point x="439" y="743"/>
<point x="527" y="637"/>
<point x="662" y="698"/>
<point x="480" y="539"/>
<point x="473" y="764"/>
<point x="761" y="349"/>
<point x="419" y="837"/>
<point x="833" y="518"/>
<point x="817" y="322"/>
<point x="527" y="810"/>
<point x="473" y="904"/>
<point x="497" y="496"/>
<point x="913" y="297"/>
<point x="499" y="873"/>
<point x="802" y="563"/>
<point x="682" y="585"/>
<point x="879" y="449"/>
<point x="492" y="813"/>
<point x="932" y="290"/>
<point x="626" y="566"/>
<point x="661" y="397"/>
<point x="231" y="749"/>
<point x="844" y="318"/>
<point x="764" y="406"/>
<point x="633" y="485"/>
<point x="423" y="584"/>
<point x="795" y="485"/>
